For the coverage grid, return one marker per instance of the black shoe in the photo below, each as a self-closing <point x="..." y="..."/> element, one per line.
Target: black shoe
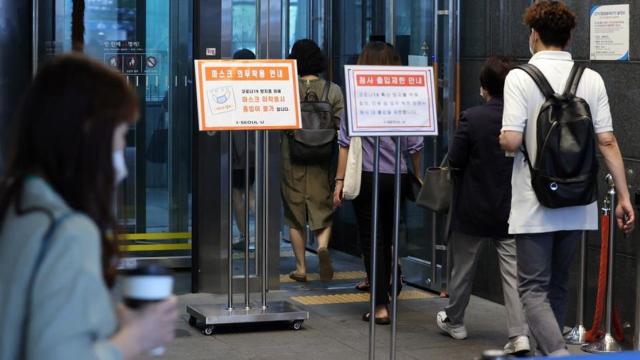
<point x="379" y="320"/>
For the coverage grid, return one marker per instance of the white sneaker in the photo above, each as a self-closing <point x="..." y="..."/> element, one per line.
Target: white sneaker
<point x="458" y="332"/>
<point x="518" y="346"/>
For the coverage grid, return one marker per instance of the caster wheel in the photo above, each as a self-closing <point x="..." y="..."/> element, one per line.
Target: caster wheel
<point x="296" y="325"/>
<point x="193" y="321"/>
<point x="208" y="330"/>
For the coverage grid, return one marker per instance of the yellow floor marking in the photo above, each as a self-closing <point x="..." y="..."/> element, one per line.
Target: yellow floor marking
<point x="155" y="236"/>
<point x="239" y="255"/>
<point x="342" y="275"/>
<point x="155" y="247"/>
<point x="355" y="298"/>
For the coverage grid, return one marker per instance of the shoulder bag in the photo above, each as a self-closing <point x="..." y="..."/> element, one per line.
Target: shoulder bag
<point x="437" y="188"/>
<point x="353" y="173"/>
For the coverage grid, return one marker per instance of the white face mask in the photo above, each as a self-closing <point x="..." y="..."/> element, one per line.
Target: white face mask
<point x="119" y="166"/>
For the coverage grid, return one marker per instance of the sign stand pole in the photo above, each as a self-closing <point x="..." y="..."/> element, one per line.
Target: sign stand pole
<point x="374" y="250"/>
<point x="247" y="228"/>
<point x="396" y="244"/>
<point x="207" y="316"/>
<point x="265" y="219"/>
<point x="230" y="229"/>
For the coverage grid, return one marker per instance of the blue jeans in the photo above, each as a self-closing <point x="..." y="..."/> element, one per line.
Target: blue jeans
<point x="543" y="271"/>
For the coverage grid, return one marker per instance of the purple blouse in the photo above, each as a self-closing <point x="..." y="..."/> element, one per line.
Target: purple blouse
<point x="408" y="145"/>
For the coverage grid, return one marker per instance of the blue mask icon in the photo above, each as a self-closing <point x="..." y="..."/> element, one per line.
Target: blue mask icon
<point x="222" y="99"/>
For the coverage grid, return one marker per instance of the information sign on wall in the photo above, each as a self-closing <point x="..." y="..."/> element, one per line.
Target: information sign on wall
<point x="247" y="94"/>
<point x="610" y="32"/>
<point x="390" y="101"/>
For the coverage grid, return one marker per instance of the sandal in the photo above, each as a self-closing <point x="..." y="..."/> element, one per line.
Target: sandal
<point x="379" y="320"/>
<point x="297" y="277"/>
<point x="363" y="285"/>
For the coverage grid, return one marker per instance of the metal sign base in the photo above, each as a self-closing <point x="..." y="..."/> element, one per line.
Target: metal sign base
<point x="209" y="316"/>
<point x="605" y="345"/>
<point x="577" y="336"/>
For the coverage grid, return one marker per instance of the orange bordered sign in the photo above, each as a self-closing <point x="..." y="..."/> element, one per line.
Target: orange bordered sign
<point x="247" y="95"/>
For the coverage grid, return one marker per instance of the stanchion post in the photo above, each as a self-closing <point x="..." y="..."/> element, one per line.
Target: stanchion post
<point x="608" y="344"/>
<point x="636" y="331"/>
<point x="396" y="243"/>
<point x="636" y="337"/>
<point x="577" y="335"/>
<point x="247" y="229"/>
<point x="230" y="228"/>
<point x="374" y="249"/>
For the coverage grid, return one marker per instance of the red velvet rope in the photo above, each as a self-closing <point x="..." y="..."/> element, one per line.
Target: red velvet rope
<point x="595" y="332"/>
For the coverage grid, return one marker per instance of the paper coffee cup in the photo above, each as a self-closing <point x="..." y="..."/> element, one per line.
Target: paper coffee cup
<point x="146" y="285"/>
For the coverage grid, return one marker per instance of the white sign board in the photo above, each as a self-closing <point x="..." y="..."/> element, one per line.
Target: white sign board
<point x="610" y="32"/>
<point x="391" y="101"/>
<point x="247" y="95"/>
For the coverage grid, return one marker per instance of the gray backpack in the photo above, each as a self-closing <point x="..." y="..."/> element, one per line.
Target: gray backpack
<point x="314" y="143"/>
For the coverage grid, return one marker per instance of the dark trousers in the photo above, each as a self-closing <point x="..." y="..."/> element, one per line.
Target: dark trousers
<point x="363" y="209"/>
<point x="543" y="271"/>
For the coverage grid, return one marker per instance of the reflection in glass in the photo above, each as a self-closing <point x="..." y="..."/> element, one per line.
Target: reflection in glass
<point x="149" y="42"/>
<point x="244" y="25"/>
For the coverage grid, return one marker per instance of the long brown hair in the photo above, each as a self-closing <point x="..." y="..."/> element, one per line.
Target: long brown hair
<point x="379" y="53"/>
<point x="64" y="133"/>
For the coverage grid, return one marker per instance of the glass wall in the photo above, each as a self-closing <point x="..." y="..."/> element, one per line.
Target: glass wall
<point x="149" y="42"/>
<point x="299" y="20"/>
<point x="244" y="25"/>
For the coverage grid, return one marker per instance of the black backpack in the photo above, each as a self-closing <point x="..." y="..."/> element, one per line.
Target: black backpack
<point x="565" y="171"/>
<point x="314" y="143"/>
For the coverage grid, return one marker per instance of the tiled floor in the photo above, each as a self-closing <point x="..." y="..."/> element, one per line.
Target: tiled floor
<point x="335" y="331"/>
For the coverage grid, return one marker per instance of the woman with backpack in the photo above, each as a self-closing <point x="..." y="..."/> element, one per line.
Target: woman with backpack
<point x="377" y="53"/>
<point x="306" y="176"/>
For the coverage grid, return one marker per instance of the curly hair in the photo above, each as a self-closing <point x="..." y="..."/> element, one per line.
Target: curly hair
<point x="311" y="60"/>
<point x="553" y="20"/>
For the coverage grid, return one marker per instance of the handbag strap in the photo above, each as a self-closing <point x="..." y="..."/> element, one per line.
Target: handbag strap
<point x="40" y="256"/>
<point x="445" y="161"/>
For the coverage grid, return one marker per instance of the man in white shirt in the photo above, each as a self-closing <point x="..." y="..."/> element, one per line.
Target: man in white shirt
<point x="547" y="238"/>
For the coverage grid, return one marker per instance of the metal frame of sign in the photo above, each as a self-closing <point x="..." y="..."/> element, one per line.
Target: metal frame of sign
<point x="260" y="121"/>
<point x="425" y="74"/>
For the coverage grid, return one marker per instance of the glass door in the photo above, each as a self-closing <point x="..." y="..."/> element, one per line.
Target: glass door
<point x="149" y="42"/>
<point x="425" y="35"/>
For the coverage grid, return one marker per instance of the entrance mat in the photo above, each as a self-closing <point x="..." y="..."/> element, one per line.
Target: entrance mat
<point x="356" y="298"/>
<point x="338" y="275"/>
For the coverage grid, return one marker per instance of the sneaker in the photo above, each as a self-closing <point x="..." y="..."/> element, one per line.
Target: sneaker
<point x="458" y="332"/>
<point x="518" y="345"/>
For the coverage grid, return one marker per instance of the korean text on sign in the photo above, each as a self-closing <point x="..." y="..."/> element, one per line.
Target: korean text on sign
<point x="247" y="94"/>
<point x="390" y="101"/>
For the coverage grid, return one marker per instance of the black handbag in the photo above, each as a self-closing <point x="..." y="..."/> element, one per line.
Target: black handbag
<point x="437" y="188"/>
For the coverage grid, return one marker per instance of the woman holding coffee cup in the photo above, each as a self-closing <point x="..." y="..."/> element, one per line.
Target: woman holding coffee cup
<point x="57" y="224"/>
